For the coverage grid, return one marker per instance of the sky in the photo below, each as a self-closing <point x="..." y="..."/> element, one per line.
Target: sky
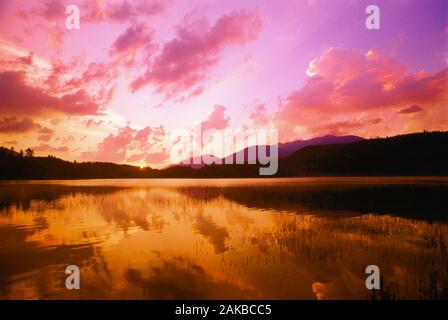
<point x="135" y="71"/>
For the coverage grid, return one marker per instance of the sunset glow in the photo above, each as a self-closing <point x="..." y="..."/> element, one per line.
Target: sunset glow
<point x="136" y="70"/>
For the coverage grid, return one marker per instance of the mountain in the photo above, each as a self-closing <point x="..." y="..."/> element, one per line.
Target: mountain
<point x="411" y="154"/>
<point x="284" y="150"/>
<point x="287" y="149"/>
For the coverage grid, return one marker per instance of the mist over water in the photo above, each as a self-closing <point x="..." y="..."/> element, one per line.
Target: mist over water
<point x="225" y="239"/>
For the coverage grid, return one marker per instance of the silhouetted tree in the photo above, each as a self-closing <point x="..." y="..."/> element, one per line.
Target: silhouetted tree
<point x="29" y="152"/>
<point x="411" y="154"/>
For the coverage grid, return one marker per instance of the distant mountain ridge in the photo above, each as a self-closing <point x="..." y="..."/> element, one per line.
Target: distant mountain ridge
<point x="410" y="154"/>
<point x="284" y="150"/>
<point x="421" y="154"/>
<point x="288" y="148"/>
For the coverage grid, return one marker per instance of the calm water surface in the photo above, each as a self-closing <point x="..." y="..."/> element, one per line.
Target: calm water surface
<point x="225" y="239"/>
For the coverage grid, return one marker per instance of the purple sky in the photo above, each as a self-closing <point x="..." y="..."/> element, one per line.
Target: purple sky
<point x="136" y="70"/>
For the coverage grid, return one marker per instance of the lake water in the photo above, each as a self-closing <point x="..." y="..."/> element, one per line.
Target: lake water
<point x="225" y="239"/>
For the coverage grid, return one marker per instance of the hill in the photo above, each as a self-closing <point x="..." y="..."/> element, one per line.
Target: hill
<point x="16" y="166"/>
<point x="412" y="154"/>
<point x="284" y="149"/>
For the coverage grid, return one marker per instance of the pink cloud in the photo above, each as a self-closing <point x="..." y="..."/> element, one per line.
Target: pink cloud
<point x="127" y="145"/>
<point x="136" y="41"/>
<point x="185" y="61"/>
<point x="94" y="72"/>
<point x="44" y="147"/>
<point x="122" y="11"/>
<point x="66" y="139"/>
<point x="57" y="82"/>
<point x="345" y="126"/>
<point x="14" y="125"/>
<point x="101" y="10"/>
<point x="411" y="109"/>
<point x="346" y="83"/>
<point x="44" y="137"/>
<point x="51" y="9"/>
<point x="217" y="119"/>
<point x="17" y="97"/>
<point x="259" y="116"/>
<point x="46" y="134"/>
<point x="135" y="36"/>
<point x="157" y="157"/>
<point x="26" y="60"/>
<point x="135" y="157"/>
<point x="58" y="69"/>
<point x="90" y="123"/>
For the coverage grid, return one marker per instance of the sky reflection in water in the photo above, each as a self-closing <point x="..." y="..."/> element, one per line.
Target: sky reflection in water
<point x="224" y="239"/>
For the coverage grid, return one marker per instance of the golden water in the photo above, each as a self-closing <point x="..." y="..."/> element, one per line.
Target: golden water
<point x="222" y="239"/>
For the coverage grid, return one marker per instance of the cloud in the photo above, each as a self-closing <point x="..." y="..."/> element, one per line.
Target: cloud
<point x="46" y="134"/>
<point x="128" y="145"/>
<point x="259" y="116"/>
<point x="346" y="126"/>
<point x="123" y="11"/>
<point x="102" y="10"/>
<point x="94" y="72"/>
<point x="347" y="83"/>
<point x="185" y="61"/>
<point x="134" y="36"/>
<point x="101" y="76"/>
<point x="137" y="39"/>
<point x="217" y="119"/>
<point x="180" y="278"/>
<point x="66" y="140"/>
<point x="14" y="142"/>
<point x="17" y="97"/>
<point x="90" y="123"/>
<point x="44" y="147"/>
<point x="26" y="60"/>
<point x="157" y="157"/>
<point x="51" y="10"/>
<point x="411" y="109"/>
<point x="4" y="6"/>
<point x="14" y="125"/>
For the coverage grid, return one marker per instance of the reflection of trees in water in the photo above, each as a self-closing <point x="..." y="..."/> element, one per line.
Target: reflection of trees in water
<point x="419" y="202"/>
<point x="41" y="268"/>
<point x="133" y="208"/>
<point x="180" y="278"/>
<point x="217" y="235"/>
<point x="201" y="193"/>
<point x="333" y="239"/>
<point x="411" y="254"/>
<point x="22" y="195"/>
<point x="32" y="263"/>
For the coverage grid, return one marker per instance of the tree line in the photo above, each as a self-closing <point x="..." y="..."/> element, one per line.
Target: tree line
<point x="423" y="153"/>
